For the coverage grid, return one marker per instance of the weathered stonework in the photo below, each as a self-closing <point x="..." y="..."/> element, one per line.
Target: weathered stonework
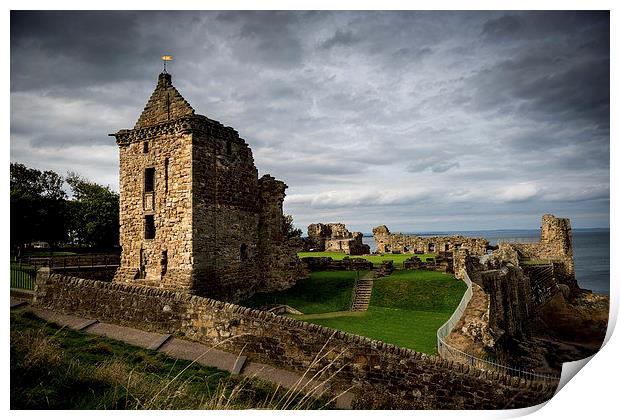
<point x="335" y="237"/>
<point x="396" y="242"/>
<point x="538" y="318"/>
<point x="382" y="375"/>
<point x="556" y="245"/>
<point x="193" y="214"/>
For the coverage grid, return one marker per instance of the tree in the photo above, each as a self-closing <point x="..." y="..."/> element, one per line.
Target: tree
<point x="38" y="210"/>
<point x="93" y="213"/>
<point x="289" y="229"/>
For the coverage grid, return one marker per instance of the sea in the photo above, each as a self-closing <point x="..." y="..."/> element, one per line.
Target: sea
<point x="590" y="250"/>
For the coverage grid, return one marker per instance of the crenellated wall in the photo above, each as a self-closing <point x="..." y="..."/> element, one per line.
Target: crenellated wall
<point x="383" y="375"/>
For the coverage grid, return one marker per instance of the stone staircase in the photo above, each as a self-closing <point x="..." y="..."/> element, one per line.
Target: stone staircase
<point x="362" y="293"/>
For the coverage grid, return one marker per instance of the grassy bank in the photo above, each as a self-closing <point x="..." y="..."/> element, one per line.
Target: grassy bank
<point x="411" y="329"/>
<point x="375" y="259"/>
<point x="406" y="309"/>
<point x="324" y="291"/>
<point x="56" y="368"/>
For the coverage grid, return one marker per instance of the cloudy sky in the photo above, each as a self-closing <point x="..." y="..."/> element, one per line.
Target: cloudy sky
<point x="417" y="120"/>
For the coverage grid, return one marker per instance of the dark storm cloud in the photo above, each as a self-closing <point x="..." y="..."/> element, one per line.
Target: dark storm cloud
<point x="340" y="38"/>
<point x="450" y="119"/>
<point x="502" y="28"/>
<point x="268" y="38"/>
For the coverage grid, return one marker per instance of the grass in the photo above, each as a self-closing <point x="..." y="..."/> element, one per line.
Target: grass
<point x="533" y="261"/>
<point x="418" y="290"/>
<point x="323" y="291"/>
<point x="375" y="259"/>
<point x="406" y="309"/>
<point x="56" y="368"/>
<point x="411" y="329"/>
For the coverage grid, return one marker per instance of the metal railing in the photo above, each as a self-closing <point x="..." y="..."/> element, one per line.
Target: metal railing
<point x="75" y="261"/>
<point x="449" y="352"/>
<point x="23" y="276"/>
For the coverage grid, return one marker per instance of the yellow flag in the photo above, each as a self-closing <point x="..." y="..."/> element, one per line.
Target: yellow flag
<point x="166" y="57"/>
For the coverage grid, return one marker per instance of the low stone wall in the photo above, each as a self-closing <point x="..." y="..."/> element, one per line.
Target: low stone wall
<point x="382" y="375"/>
<point x="328" y="263"/>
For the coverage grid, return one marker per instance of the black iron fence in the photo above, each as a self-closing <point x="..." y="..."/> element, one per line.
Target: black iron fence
<point x="23" y="275"/>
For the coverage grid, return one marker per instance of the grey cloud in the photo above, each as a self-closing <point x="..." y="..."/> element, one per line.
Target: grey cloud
<point x="502" y="119"/>
<point x="435" y="164"/>
<point x="503" y="27"/>
<point x="340" y="38"/>
<point x="269" y="38"/>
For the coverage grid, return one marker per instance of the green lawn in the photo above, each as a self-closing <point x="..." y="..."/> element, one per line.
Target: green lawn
<point x="411" y="329"/>
<point x="59" y="368"/>
<point x="418" y="290"/>
<point x="406" y="309"/>
<point x="375" y="259"/>
<point x="324" y="291"/>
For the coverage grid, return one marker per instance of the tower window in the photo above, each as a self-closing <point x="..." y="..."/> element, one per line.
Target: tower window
<point x="149" y="227"/>
<point x="145" y="147"/>
<point x="228" y="147"/>
<point x="164" y="262"/>
<point x="243" y="252"/>
<point x="166" y="164"/>
<point x="149" y="180"/>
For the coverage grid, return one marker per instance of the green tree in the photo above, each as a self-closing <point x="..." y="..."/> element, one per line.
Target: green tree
<point x="38" y="210"/>
<point x="289" y="228"/>
<point x="93" y="213"/>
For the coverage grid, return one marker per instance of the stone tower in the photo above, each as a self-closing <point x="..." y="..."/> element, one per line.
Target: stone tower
<point x="556" y="241"/>
<point x="193" y="214"/>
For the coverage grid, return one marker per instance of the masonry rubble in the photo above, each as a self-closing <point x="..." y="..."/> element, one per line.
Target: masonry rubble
<point x="335" y="237"/>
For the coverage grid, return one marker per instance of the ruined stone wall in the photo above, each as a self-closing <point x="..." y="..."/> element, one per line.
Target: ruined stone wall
<point x="170" y="204"/>
<point x="510" y="300"/>
<point x="226" y="213"/>
<point x="556" y="244"/>
<point x="328" y="264"/>
<point x="278" y="263"/>
<point x="335" y="237"/>
<point x="390" y="242"/>
<point x="383" y="375"/>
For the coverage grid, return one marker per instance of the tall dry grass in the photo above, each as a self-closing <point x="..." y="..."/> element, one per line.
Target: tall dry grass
<point x="43" y="373"/>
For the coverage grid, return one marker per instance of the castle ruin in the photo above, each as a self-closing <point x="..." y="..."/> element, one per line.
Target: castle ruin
<point x="335" y="237"/>
<point x="410" y="244"/>
<point x="194" y="216"/>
